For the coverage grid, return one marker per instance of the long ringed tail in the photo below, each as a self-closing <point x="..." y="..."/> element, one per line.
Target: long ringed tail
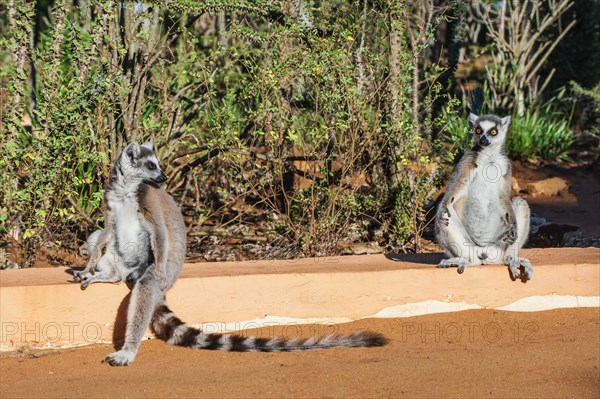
<point x="172" y="330"/>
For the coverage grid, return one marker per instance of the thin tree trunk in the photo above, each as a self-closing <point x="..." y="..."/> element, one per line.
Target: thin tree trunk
<point x="360" y="68"/>
<point x="20" y="53"/>
<point x="396" y="67"/>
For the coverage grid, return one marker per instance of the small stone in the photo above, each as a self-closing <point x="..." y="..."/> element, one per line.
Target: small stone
<point x="547" y="187"/>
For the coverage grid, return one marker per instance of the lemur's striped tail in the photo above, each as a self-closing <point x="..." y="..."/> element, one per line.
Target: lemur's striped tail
<point x="171" y="329"/>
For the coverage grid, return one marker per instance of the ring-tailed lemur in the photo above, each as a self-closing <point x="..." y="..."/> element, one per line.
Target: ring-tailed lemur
<point x="145" y="242"/>
<point x="476" y="221"/>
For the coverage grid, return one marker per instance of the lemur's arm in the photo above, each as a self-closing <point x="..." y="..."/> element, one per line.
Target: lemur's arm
<point x="95" y="254"/>
<point x="459" y="184"/>
<point x="158" y="241"/>
<point x="156" y="226"/>
<point x="105" y="236"/>
<point x="457" y="189"/>
<point x="508" y="214"/>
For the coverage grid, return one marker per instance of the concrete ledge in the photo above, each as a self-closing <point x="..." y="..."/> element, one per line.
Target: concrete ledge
<point x="38" y="308"/>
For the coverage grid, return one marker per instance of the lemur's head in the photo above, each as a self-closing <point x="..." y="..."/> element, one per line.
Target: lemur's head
<point x="489" y="130"/>
<point x="138" y="163"/>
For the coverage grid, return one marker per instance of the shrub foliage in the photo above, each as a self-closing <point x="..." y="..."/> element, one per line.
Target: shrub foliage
<point x="322" y="122"/>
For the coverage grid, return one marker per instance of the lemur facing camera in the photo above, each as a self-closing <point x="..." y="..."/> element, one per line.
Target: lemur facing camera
<point x="476" y="222"/>
<point x="143" y="243"/>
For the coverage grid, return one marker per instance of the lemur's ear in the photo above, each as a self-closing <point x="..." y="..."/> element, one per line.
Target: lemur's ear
<point x="148" y="145"/>
<point x="506" y="121"/>
<point x="133" y="150"/>
<point x="473" y="118"/>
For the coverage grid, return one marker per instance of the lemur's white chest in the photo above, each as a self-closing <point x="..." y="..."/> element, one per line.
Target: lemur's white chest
<point x="489" y="173"/>
<point x="128" y="228"/>
<point x="484" y="198"/>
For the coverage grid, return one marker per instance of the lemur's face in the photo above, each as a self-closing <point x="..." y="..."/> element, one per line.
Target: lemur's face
<point x="489" y="130"/>
<point x="139" y="163"/>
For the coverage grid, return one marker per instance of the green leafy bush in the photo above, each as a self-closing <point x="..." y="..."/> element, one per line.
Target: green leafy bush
<point x="540" y="134"/>
<point x="321" y="124"/>
<point x="316" y="122"/>
<point x="590" y="98"/>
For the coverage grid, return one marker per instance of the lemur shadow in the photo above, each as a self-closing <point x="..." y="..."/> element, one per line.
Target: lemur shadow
<point x="522" y="278"/>
<point x="423" y="258"/>
<point x="120" y="326"/>
<point x="435" y="258"/>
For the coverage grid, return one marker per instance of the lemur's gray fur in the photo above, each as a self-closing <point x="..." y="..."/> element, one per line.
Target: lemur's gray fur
<point x="145" y="242"/>
<point x="476" y="221"/>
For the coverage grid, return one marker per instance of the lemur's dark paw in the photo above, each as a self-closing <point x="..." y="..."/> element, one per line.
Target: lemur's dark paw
<point x="120" y="358"/>
<point x="459" y="263"/>
<point x="78" y="277"/>
<point x="511" y="235"/>
<point x="82" y="277"/>
<point x="445" y="263"/>
<point x="445" y="216"/>
<point x="516" y="264"/>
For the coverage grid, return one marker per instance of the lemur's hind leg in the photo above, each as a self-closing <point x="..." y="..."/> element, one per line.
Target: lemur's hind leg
<point x="459" y="263"/>
<point x="456" y="242"/>
<point x="511" y="256"/>
<point x="105" y="272"/>
<point x="145" y="296"/>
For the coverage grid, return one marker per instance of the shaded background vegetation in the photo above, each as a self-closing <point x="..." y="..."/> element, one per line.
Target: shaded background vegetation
<point x="289" y="128"/>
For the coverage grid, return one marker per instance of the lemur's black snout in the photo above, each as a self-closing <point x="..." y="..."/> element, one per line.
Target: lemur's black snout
<point x="484" y="141"/>
<point x="160" y="179"/>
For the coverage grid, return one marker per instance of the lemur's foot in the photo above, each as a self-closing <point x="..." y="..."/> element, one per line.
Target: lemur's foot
<point x="86" y="278"/>
<point x="120" y="358"/>
<point x="515" y="265"/>
<point x="459" y="263"/>
<point x="83" y="277"/>
<point x="77" y="277"/>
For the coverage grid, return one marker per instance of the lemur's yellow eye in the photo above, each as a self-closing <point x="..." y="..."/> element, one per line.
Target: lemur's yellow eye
<point x="478" y="130"/>
<point x="493" y="132"/>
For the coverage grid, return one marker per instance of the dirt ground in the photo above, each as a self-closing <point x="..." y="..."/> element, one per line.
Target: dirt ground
<point x="576" y="206"/>
<point x="476" y="354"/>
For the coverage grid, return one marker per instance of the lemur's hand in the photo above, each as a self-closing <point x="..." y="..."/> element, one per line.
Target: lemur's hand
<point x="445" y="216"/>
<point x="84" y="277"/>
<point x="90" y="270"/>
<point x="511" y="235"/>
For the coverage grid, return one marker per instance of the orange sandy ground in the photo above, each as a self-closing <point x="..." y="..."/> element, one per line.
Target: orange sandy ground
<point x="477" y="354"/>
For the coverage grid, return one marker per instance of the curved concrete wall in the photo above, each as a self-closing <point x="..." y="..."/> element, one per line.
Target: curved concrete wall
<point x="39" y="308"/>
